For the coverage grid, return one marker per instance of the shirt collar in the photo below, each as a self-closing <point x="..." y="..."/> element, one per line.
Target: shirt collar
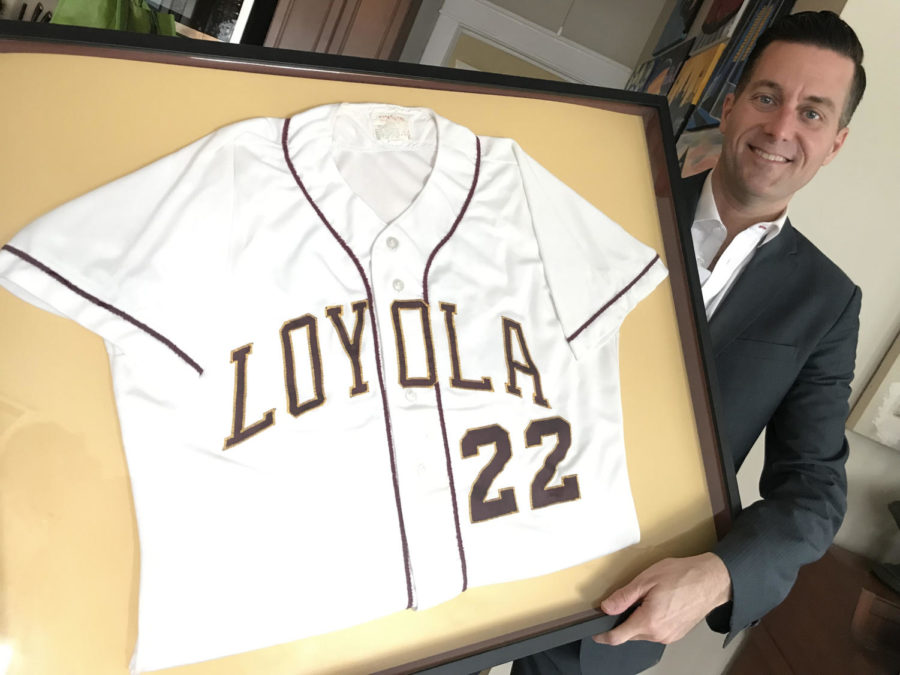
<point x="707" y="212"/>
<point x="706" y="207"/>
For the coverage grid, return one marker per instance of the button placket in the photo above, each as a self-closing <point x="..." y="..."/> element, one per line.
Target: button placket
<point x="394" y="266"/>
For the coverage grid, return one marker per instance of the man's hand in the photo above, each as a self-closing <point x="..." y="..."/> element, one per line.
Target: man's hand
<point x="675" y="594"/>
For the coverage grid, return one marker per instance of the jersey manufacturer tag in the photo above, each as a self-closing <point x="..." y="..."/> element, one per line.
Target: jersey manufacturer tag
<point x="391" y="127"/>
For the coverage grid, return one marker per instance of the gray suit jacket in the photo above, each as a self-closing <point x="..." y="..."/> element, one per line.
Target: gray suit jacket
<point x="784" y="347"/>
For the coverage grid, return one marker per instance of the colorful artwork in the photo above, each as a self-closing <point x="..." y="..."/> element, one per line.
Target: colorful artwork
<point x="720" y="13"/>
<point x="689" y="85"/>
<point x="719" y="22"/>
<point x="639" y="76"/>
<point x="678" y="25"/>
<point x="698" y="150"/>
<point x="728" y="71"/>
<point x="877" y="413"/>
<point x="665" y="69"/>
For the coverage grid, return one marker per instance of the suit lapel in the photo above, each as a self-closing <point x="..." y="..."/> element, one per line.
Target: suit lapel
<point x="766" y="273"/>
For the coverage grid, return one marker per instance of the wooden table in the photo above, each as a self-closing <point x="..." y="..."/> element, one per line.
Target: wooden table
<point x="839" y="618"/>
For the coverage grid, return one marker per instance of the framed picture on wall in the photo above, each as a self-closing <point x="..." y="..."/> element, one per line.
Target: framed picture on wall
<point x="639" y="76"/>
<point x="699" y="150"/>
<point x="678" y="25"/>
<point x="718" y="23"/>
<point x="665" y="68"/>
<point x="689" y="84"/>
<point x="876" y="414"/>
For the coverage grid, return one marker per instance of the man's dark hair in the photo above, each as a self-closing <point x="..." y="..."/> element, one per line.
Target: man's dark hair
<point x="825" y="30"/>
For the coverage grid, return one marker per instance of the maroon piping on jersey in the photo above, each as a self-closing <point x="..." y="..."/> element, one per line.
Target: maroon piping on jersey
<point x="384" y="403"/>
<point x="437" y="386"/>
<point x="105" y="305"/>
<point x="614" y="298"/>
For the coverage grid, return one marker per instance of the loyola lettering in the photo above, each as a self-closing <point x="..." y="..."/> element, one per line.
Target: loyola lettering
<point x="404" y="314"/>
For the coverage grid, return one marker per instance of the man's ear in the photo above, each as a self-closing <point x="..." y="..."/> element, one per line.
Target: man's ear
<point x="837" y="145"/>
<point x="727" y="107"/>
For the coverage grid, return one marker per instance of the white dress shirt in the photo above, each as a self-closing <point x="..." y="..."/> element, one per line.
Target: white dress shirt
<point x="709" y="234"/>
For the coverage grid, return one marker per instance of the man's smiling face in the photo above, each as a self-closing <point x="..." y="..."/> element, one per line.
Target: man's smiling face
<point x="784" y="124"/>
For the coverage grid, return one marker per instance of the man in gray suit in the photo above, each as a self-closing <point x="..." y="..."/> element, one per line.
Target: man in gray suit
<point x="783" y="320"/>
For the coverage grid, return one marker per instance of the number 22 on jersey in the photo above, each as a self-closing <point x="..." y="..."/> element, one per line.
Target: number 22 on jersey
<point x="480" y="507"/>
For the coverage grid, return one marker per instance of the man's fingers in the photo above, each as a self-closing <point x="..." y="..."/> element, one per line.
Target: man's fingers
<point x="630" y="629"/>
<point x="620" y="600"/>
<point x="674" y="595"/>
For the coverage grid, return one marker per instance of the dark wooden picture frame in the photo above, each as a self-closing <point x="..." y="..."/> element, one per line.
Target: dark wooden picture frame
<point x="654" y="115"/>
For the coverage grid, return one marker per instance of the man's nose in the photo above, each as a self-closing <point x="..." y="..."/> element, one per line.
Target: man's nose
<point x="781" y="124"/>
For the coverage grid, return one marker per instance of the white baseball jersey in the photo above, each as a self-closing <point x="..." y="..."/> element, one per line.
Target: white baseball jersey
<point x="363" y="360"/>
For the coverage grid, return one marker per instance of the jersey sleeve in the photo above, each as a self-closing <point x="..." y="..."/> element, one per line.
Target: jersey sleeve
<point x="597" y="272"/>
<point x="130" y="260"/>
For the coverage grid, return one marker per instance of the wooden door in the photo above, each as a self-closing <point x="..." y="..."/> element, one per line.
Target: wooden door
<point x="371" y="28"/>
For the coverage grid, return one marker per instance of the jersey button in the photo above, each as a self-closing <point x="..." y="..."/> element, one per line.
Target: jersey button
<point x="392" y="243"/>
<point x="398" y="285"/>
<point x="410" y="395"/>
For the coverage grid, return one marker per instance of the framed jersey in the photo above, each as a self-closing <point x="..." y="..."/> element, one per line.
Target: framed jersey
<point x="321" y="364"/>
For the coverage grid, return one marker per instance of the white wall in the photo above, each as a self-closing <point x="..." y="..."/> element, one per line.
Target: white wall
<point x="610" y="29"/>
<point x="613" y="28"/>
<point x="850" y="210"/>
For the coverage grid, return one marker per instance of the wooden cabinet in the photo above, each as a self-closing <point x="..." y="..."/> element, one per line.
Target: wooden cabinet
<point x="371" y="28"/>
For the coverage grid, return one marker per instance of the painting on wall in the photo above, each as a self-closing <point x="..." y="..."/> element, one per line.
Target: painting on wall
<point x="724" y="79"/>
<point x="698" y="150"/>
<point x="689" y="85"/>
<point x="639" y="76"/>
<point x="678" y="25"/>
<point x="719" y="22"/>
<point x="664" y="69"/>
<point x="876" y="414"/>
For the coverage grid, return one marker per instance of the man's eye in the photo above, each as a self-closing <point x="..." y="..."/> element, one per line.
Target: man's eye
<point x="765" y="99"/>
<point x="812" y="115"/>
